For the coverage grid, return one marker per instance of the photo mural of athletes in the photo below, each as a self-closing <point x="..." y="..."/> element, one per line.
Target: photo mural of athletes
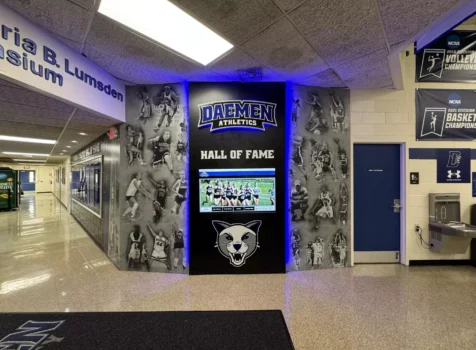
<point x="319" y="178"/>
<point x="154" y="187"/>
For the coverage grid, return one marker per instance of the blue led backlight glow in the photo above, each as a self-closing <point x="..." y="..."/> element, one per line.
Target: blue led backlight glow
<point x="287" y="185"/>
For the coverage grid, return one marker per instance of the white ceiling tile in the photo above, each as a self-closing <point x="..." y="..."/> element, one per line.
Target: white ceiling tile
<point x="281" y="48"/>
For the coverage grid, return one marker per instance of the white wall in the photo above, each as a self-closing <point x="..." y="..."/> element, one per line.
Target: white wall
<point x="388" y="116"/>
<point x="60" y="190"/>
<point x="44" y="182"/>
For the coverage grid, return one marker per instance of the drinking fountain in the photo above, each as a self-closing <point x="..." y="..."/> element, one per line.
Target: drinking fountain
<point x="448" y="235"/>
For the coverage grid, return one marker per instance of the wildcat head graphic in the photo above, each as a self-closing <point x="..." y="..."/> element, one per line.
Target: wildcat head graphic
<point x="237" y="242"/>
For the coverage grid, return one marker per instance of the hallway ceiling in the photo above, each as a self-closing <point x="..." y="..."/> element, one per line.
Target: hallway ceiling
<point x="314" y="42"/>
<point x="24" y="113"/>
<point x="310" y="42"/>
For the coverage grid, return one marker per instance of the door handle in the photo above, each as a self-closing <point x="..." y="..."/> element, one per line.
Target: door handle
<point x="396" y="206"/>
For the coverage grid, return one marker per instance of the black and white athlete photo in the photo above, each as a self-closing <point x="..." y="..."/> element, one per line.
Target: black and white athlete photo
<point x="135" y="186"/>
<point x="320" y="178"/>
<point x="154" y="182"/>
<point x="137" y="249"/>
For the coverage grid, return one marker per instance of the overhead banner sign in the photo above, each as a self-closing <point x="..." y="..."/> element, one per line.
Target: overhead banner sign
<point x="453" y="165"/>
<point x="445" y="115"/>
<point x="31" y="57"/>
<point x="450" y="59"/>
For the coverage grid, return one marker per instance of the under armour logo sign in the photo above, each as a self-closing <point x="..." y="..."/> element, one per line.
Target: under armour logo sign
<point x="456" y="173"/>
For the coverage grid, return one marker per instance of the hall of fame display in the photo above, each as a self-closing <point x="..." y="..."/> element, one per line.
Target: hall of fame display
<point x="319" y="179"/>
<point x="153" y="184"/>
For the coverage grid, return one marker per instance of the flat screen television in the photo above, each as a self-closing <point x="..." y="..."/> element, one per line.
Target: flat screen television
<point x="237" y="190"/>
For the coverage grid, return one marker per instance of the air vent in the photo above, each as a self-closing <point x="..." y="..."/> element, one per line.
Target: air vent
<point x="250" y="74"/>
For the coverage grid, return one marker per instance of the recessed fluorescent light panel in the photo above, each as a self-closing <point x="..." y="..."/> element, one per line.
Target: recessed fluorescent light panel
<point x="30" y="160"/>
<point x="26" y="139"/>
<point x="82" y="133"/>
<point x="27" y="154"/>
<point x="167" y="24"/>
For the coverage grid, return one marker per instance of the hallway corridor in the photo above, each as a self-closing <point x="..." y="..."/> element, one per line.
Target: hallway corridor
<point x="48" y="263"/>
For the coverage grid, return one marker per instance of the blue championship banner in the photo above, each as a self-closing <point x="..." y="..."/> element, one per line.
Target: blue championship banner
<point x="453" y="165"/>
<point x="450" y="59"/>
<point x="445" y="115"/>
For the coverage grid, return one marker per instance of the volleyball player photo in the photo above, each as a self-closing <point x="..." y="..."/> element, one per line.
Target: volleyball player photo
<point x="134" y="186"/>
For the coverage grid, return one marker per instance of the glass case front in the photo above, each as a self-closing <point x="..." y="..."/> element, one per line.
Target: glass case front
<point x="86" y="184"/>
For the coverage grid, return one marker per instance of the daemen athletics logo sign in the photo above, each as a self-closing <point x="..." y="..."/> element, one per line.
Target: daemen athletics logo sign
<point x="29" y="56"/>
<point x="236" y="114"/>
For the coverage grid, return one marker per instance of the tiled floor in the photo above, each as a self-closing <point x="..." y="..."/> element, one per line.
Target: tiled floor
<point x="47" y="263"/>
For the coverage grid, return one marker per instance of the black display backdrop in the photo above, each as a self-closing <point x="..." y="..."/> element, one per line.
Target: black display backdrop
<point x="269" y="257"/>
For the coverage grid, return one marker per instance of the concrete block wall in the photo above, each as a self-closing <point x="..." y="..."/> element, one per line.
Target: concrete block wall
<point x="388" y="116"/>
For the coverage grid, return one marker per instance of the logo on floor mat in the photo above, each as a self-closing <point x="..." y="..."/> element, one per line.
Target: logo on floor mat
<point x="237" y="242"/>
<point x="31" y="335"/>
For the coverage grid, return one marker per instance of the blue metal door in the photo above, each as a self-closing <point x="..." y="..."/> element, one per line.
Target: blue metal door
<point x="28" y="180"/>
<point x="376" y="203"/>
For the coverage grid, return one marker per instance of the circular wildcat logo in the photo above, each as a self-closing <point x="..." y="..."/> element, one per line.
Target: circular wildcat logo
<point x="454" y="100"/>
<point x="237" y="242"/>
<point x="453" y="41"/>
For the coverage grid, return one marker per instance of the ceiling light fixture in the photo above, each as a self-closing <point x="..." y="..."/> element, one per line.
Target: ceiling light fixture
<point x="32" y="164"/>
<point x="27" y="154"/>
<point x="68" y="146"/>
<point x="26" y="139"/>
<point x="74" y="141"/>
<point x="30" y="160"/>
<point x="65" y="150"/>
<point x="189" y="37"/>
<point x="61" y="154"/>
<point x="82" y="133"/>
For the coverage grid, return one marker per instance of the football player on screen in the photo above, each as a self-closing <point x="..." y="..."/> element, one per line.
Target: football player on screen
<point x="208" y="189"/>
<point x="241" y="195"/>
<point x="256" y="192"/>
<point x="248" y="194"/>
<point x="217" y="193"/>
<point x="227" y="198"/>
<point x="234" y="194"/>
<point x="272" y="194"/>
